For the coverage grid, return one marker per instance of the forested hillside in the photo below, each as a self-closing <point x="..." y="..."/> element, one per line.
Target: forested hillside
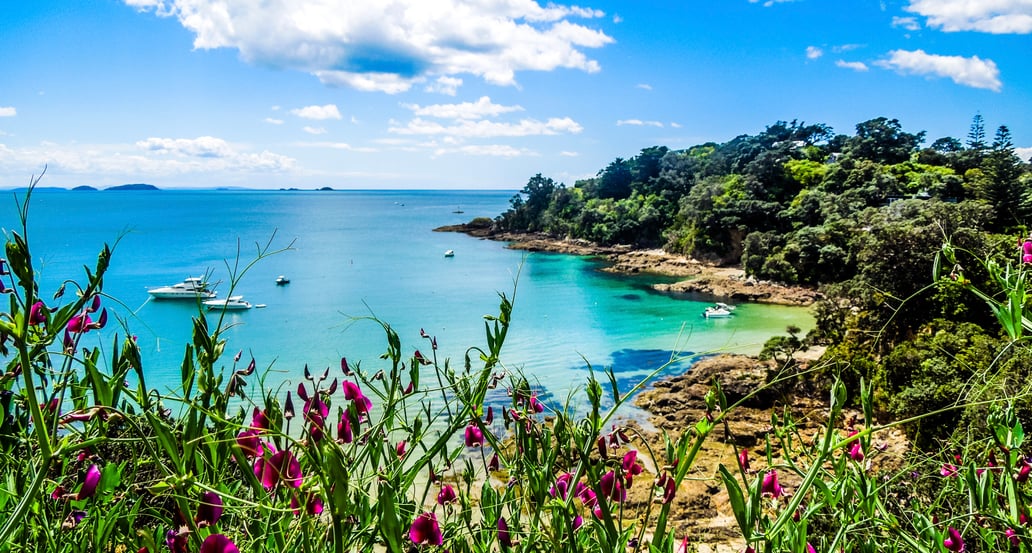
<point x="863" y="217"/>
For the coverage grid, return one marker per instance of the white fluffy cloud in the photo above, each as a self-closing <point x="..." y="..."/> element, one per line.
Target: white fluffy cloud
<point x="483" y="107"/>
<point x="494" y="150"/>
<point x="854" y="65"/>
<point x="974" y="71"/>
<point x="7" y="111"/>
<point x="638" y="123"/>
<point x="988" y="16"/>
<point x="1024" y="153"/>
<point x="151" y="158"/>
<point x="391" y="45"/>
<point x="488" y="129"/>
<point x="317" y="113"/>
<point x="813" y="52"/>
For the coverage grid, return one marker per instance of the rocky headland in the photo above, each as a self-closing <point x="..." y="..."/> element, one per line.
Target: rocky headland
<point x="701" y="279"/>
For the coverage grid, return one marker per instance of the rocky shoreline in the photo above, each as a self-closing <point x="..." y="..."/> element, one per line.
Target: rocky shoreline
<point x="701" y="507"/>
<point x="701" y="279"/>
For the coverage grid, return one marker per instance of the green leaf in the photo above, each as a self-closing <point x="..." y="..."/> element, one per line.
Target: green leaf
<point x="737" y="499"/>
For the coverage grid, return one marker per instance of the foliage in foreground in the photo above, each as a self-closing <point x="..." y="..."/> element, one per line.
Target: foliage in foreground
<point x="413" y="454"/>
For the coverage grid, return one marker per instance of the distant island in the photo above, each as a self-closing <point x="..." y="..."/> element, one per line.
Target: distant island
<point x="137" y="186"/>
<point x="83" y="188"/>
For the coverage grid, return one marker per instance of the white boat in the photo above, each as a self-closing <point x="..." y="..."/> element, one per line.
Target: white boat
<point x="449" y="253"/>
<point x="190" y="289"/>
<point x="281" y="280"/>
<point x="231" y="303"/>
<point x="716" y="313"/>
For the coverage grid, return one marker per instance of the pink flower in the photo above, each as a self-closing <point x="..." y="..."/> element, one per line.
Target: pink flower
<point x="503" y="534"/>
<point x="1012" y="536"/>
<point x="400" y="449"/>
<point x="949" y="470"/>
<point x="209" y="510"/>
<point x="344" y="434"/>
<point x="82" y="323"/>
<point x="89" y="485"/>
<point x="809" y="548"/>
<point x="354" y="393"/>
<point x="666" y="483"/>
<point x="282" y="466"/>
<point x="425" y="530"/>
<point x="250" y="443"/>
<point x="474" y="436"/>
<point x="856" y="452"/>
<point x="611" y="487"/>
<point x="37" y="314"/>
<point x="631" y="467"/>
<point x="494" y="464"/>
<point x="313" y="505"/>
<point x="217" y="543"/>
<point x="446" y="495"/>
<point x="953" y="542"/>
<point x="1024" y="471"/>
<point x="562" y="485"/>
<point x="743" y="460"/>
<point x="770" y="485"/>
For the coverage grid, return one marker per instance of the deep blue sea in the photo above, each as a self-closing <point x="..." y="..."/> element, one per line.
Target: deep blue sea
<point x="357" y="254"/>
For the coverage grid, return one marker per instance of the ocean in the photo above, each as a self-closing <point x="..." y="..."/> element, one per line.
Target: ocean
<point x="353" y="256"/>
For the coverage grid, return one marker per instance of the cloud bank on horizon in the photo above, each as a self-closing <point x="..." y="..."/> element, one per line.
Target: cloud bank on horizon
<point x="461" y="93"/>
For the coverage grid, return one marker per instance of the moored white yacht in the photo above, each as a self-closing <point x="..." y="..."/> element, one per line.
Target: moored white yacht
<point x="231" y="303"/>
<point x="190" y="289"/>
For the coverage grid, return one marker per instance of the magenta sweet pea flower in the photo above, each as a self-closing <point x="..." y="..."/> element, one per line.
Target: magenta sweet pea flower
<point x="344" y="434"/>
<point x="809" y="548"/>
<point x="562" y="485"/>
<point x="209" y="510"/>
<point x="1012" y="536"/>
<point x="954" y="542"/>
<point x="400" y="449"/>
<point x="313" y="504"/>
<point x="425" y="530"/>
<point x="474" y="436"/>
<point x="82" y="323"/>
<point x="446" y="495"/>
<point x="354" y="393"/>
<point x="494" y="464"/>
<point x="611" y="487"/>
<point x="631" y="467"/>
<point x="259" y="419"/>
<point x="770" y="485"/>
<point x="89" y="485"/>
<point x="282" y="466"/>
<point x="250" y="443"/>
<point x="743" y="460"/>
<point x="856" y="452"/>
<point x="503" y="534"/>
<point x="37" y="314"/>
<point x="949" y="470"/>
<point x="217" y="543"/>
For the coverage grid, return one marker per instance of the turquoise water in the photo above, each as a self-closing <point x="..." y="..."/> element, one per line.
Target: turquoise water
<point x="356" y="254"/>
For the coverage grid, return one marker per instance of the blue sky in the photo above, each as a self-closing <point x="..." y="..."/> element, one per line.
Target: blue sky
<point x="475" y="93"/>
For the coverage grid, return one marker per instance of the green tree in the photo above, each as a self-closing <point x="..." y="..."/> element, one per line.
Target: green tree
<point x="883" y="140"/>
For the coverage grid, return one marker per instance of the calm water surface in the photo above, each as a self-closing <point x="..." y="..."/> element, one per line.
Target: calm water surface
<point x="357" y="254"/>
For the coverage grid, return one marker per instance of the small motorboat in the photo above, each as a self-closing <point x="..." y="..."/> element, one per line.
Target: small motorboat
<point x="716" y="313"/>
<point x="191" y="288"/>
<point x="232" y="303"/>
<point x="281" y="280"/>
<point x="449" y="253"/>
